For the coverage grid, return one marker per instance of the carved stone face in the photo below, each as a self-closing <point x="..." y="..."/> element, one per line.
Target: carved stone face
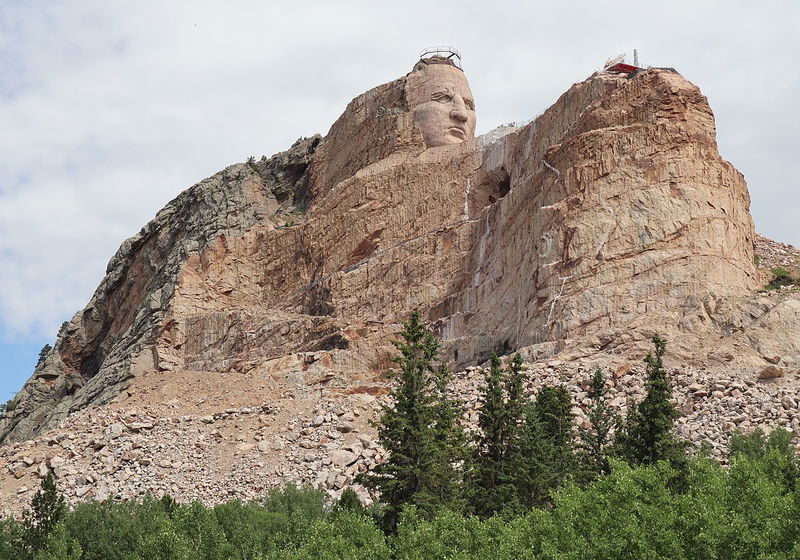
<point x="442" y="103"/>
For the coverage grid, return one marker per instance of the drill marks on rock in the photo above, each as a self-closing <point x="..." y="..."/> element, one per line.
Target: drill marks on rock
<point x="466" y="200"/>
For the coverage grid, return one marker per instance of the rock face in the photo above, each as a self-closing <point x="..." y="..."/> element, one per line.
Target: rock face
<point x="611" y="213"/>
<point x="619" y="208"/>
<point x="115" y="337"/>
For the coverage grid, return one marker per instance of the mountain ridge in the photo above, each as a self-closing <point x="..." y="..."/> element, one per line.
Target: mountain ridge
<point x="609" y="217"/>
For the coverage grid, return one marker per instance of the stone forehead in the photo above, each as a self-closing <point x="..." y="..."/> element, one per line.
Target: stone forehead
<point x="421" y="83"/>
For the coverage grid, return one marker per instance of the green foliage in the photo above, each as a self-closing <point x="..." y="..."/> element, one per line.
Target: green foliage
<point x="169" y="504"/>
<point x="519" y="481"/>
<point x="452" y="536"/>
<point x="251" y="531"/>
<point x="781" y="277"/>
<point x="251" y="163"/>
<point x="548" y="445"/>
<point x="497" y="465"/>
<point x="420" y="431"/>
<point x="630" y="513"/>
<point x="344" y="537"/>
<point x="150" y="529"/>
<point x="120" y="531"/>
<point x="775" y="450"/>
<point x="442" y="477"/>
<point x="47" y="509"/>
<point x="349" y="503"/>
<point x="9" y="406"/>
<point x="595" y="440"/>
<point x="200" y="532"/>
<point x="272" y="523"/>
<point x="43" y="354"/>
<point x="59" y="546"/>
<point x="738" y="513"/>
<point x="742" y="512"/>
<point x="11" y="544"/>
<point x="164" y="542"/>
<point x="648" y="434"/>
<point x="552" y="411"/>
<point x="300" y="502"/>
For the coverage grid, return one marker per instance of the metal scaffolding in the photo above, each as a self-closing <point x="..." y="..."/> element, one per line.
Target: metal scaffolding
<point x="444" y="52"/>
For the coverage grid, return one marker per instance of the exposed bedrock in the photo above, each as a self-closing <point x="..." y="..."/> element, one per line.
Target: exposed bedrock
<point x="611" y="211"/>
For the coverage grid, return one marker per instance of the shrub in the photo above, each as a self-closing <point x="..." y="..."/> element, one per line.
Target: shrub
<point x="251" y="163"/>
<point x="303" y="502"/>
<point x="775" y="450"/>
<point x="9" y="406"/>
<point x="347" y="536"/>
<point x="780" y="277"/>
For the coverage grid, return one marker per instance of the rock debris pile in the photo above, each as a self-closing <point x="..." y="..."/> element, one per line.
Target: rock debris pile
<point x="122" y="452"/>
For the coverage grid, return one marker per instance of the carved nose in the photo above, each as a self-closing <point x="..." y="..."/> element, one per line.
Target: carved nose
<point x="459" y="114"/>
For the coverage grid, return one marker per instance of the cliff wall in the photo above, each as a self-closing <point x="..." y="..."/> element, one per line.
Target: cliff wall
<point x="609" y="214"/>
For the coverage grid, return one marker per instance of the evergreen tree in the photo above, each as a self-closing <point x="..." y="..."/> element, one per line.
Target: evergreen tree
<point x="595" y="439"/>
<point x="43" y="354"/>
<point x="648" y="434"/>
<point x="444" y="488"/>
<point x="47" y="509"/>
<point x="419" y="430"/>
<point x="547" y="445"/>
<point x="497" y="464"/>
<point x="349" y="502"/>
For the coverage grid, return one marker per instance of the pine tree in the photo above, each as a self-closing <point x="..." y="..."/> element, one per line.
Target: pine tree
<point x="496" y="465"/>
<point x="47" y="509"/>
<point x="420" y="432"/>
<point x="349" y="502"/>
<point x="595" y="440"/>
<point x="648" y="435"/>
<point x="547" y="445"/>
<point x="448" y="451"/>
<point x="43" y="354"/>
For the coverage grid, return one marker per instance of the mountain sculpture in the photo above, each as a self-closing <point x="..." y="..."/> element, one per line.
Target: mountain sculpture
<point x="607" y="218"/>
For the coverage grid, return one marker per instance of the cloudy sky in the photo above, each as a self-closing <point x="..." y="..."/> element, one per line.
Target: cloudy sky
<point x="109" y="109"/>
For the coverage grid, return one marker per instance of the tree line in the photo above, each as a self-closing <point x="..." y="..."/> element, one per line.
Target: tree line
<point x="524" y="447"/>
<point x="526" y="484"/>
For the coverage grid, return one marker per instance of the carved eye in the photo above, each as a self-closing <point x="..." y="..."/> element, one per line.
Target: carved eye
<point x="470" y="104"/>
<point x="442" y="97"/>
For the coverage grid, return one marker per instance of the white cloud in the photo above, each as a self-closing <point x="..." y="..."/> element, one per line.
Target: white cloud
<point x="110" y="110"/>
